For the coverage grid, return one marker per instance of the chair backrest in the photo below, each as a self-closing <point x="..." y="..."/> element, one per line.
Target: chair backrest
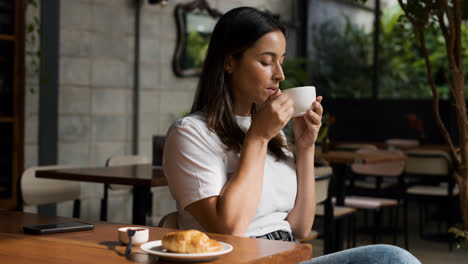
<point x="428" y="162"/>
<point x="400" y="143"/>
<point x="322" y="184"/>
<point x="354" y="146"/>
<point x="120" y="160"/>
<point x="158" y="149"/>
<point x="391" y="168"/>
<point x="170" y="221"/>
<point x="429" y="167"/>
<point x="36" y="191"/>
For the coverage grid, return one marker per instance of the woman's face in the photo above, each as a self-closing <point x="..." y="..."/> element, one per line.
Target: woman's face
<point x="256" y="74"/>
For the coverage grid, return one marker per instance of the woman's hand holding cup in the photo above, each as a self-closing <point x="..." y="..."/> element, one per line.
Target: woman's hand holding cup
<point x="307" y="126"/>
<point x="272" y="116"/>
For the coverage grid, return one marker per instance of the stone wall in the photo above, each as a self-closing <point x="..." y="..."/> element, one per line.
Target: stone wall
<point x="96" y="89"/>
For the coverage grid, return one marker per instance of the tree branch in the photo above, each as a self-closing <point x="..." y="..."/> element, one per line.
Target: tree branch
<point x="411" y="19"/>
<point x="443" y="27"/>
<point x="457" y="5"/>
<point x="435" y="96"/>
<point x="451" y="32"/>
<point x="455" y="97"/>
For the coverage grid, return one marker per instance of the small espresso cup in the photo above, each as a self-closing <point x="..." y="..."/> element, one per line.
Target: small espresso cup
<point x="303" y="98"/>
<point x="141" y="235"/>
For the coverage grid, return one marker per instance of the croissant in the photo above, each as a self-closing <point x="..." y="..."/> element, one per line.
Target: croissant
<point x="190" y="241"/>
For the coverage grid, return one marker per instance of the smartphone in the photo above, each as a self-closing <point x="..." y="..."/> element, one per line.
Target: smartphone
<point x="57" y="228"/>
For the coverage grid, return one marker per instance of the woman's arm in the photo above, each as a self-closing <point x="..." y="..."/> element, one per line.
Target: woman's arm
<point x="302" y="215"/>
<point x="306" y="130"/>
<point x="232" y="211"/>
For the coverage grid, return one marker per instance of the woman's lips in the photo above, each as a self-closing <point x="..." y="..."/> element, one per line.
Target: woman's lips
<point x="272" y="90"/>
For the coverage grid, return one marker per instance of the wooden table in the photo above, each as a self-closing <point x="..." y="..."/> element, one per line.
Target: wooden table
<point x="101" y="245"/>
<point x="340" y="159"/>
<point x="349" y="157"/>
<point x="383" y="145"/>
<point x="141" y="177"/>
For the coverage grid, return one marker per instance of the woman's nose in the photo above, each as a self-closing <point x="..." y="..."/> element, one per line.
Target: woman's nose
<point x="279" y="75"/>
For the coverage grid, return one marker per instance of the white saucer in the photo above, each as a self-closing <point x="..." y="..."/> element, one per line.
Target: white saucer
<point x="155" y="248"/>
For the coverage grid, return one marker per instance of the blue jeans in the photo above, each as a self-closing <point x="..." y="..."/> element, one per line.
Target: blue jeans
<point x="373" y="254"/>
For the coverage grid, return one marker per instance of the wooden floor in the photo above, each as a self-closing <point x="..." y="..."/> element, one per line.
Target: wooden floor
<point x="428" y="252"/>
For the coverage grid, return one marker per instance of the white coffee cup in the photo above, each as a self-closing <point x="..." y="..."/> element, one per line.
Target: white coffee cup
<point x="303" y="98"/>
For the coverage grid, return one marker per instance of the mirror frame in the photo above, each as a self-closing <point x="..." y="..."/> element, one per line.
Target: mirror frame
<point x="179" y="12"/>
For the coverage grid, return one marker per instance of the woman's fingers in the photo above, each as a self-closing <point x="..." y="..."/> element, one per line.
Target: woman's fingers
<point x="308" y="121"/>
<point x="317" y="106"/>
<point x="313" y="117"/>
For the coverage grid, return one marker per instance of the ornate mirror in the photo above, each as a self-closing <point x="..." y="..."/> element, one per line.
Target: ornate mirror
<point x="195" y="22"/>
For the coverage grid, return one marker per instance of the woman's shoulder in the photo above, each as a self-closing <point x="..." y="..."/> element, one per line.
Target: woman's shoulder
<point x="194" y="124"/>
<point x="193" y="130"/>
<point x="193" y="120"/>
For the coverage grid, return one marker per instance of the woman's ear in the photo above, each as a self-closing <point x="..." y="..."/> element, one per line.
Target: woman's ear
<point x="228" y="63"/>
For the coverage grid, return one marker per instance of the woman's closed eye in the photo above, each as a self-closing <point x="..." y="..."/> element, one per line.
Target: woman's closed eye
<point x="264" y="63"/>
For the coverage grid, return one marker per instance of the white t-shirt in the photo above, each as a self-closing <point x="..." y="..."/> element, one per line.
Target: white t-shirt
<point x="197" y="166"/>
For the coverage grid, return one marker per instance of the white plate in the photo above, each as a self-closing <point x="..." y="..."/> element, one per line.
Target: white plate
<point x="156" y="248"/>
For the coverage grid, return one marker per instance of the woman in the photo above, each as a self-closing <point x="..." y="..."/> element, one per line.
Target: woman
<point x="227" y="164"/>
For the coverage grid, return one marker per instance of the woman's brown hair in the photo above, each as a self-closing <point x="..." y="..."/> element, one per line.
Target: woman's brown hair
<point x="235" y="31"/>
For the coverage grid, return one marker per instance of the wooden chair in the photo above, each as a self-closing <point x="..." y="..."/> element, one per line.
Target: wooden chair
<point x="329" y="213"/>
<point x="321" y="194"/>
<point x="430" y="181"/>
<point x="36" y="191"/>
<point x="364" y="181"/>
<point x="170" y="221"/>
<point x="120" y="160"/>
<point x="374" y="198"/>
<point x="400" y="143"/>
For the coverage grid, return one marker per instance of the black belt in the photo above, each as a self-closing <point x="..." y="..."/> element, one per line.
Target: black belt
<point x="278" y="235"/>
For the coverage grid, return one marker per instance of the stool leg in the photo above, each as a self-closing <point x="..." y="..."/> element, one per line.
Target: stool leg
<point x="104" y="200"/>
<point x="377" y="219"/>
<point x="76" y="208"/>
<point x="354" y="230"/>
<point x="421" y="216"/>
<point x="395" y="225"/>
<point x="149" y="212"/>
<point x="348" y="236"/>
<point x="405" y="223"/>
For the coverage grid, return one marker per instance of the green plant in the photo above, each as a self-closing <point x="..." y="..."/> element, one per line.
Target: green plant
<point x="341" y="66"/>
<point x="196" y="48"/>
<point x="402" y="71"/>
<point x="460" y="236"/>
<point x="342" y="59"/>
